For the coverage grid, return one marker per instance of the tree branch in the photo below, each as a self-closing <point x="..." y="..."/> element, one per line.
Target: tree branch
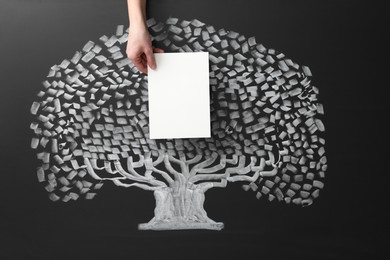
<point x="94" y="164"/>
<point x="94" y="175"/>
<point x="107" y="166"/>
<point x="196" y="159"/>
<point x="131" y="165"/>
<point x="169" y="167"/>
<point x="204" y="164"/>
<point x="185" y="165"/>
<point x="150" y="165"/>
<point x="156" y="184"/>
<point x="179" y="162"/>
<point x="260" y="167"/>
<point x="207" y="177"/>
<point x="220" y="166"/>
<point x="244" y="177"/>
<point x="139" y="185"/>
<point x="137" y="177"/>
<point x="137" y="164"/>
<point x="208" y="185"/>
<point x="215" y="168"/>
<point x="239" y="167"/>
<point x="242" y="171"/>
<point x="271" y="173"/>
<point x="160" y="158"/>
<point x="193" y="141"/>
<point x="271" y="160"/>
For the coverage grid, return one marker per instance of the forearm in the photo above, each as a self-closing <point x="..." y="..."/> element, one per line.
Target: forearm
<point x="137" y="14"/>
<point x="139" y="46"/>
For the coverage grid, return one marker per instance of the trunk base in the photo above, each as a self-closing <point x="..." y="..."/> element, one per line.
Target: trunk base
<point x="180" y="225"/>
<point x="181" y="209"/>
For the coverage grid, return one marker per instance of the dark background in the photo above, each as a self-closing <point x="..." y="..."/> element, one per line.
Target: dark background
<point x="341" y="41"/>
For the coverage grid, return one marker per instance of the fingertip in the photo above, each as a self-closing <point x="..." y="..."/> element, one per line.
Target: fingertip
<point x="152" y="62"/>
<point x="158" y="50"/>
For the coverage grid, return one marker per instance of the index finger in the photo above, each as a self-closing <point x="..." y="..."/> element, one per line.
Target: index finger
<point x="141" y="66"/>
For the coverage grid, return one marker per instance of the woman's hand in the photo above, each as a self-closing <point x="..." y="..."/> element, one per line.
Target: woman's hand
<point x="140" y="50"/>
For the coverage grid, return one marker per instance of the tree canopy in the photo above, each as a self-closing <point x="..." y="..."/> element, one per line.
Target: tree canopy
<point x="265" y="113"/>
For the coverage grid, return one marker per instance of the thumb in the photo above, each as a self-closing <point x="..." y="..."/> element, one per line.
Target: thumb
<point x="150" y="59"/>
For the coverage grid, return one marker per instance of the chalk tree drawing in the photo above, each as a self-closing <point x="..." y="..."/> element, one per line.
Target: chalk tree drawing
<point x="91" y="126"/>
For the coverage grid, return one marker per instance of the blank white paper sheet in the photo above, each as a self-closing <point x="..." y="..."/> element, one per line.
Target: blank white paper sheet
<point x="179" y="96"/>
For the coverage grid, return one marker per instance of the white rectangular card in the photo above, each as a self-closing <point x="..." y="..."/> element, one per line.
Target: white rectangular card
<point x="179" y="96"/>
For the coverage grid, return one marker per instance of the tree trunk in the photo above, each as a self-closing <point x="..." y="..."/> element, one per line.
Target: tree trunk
<point x="180" y="207"/>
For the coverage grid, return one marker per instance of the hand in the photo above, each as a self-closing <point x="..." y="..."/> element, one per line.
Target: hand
<point x="139" y="49"/>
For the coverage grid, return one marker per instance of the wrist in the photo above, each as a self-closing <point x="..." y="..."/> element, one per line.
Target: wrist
<point x="138" y="25"/>
<point x="138" y="31"/>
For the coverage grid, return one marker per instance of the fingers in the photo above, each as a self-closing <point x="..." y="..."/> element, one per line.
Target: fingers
<point x="140" y="63"/>
<point x="145" y="58"/>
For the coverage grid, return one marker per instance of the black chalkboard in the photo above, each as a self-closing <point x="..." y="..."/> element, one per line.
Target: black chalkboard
<point x="336" y="39"/>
